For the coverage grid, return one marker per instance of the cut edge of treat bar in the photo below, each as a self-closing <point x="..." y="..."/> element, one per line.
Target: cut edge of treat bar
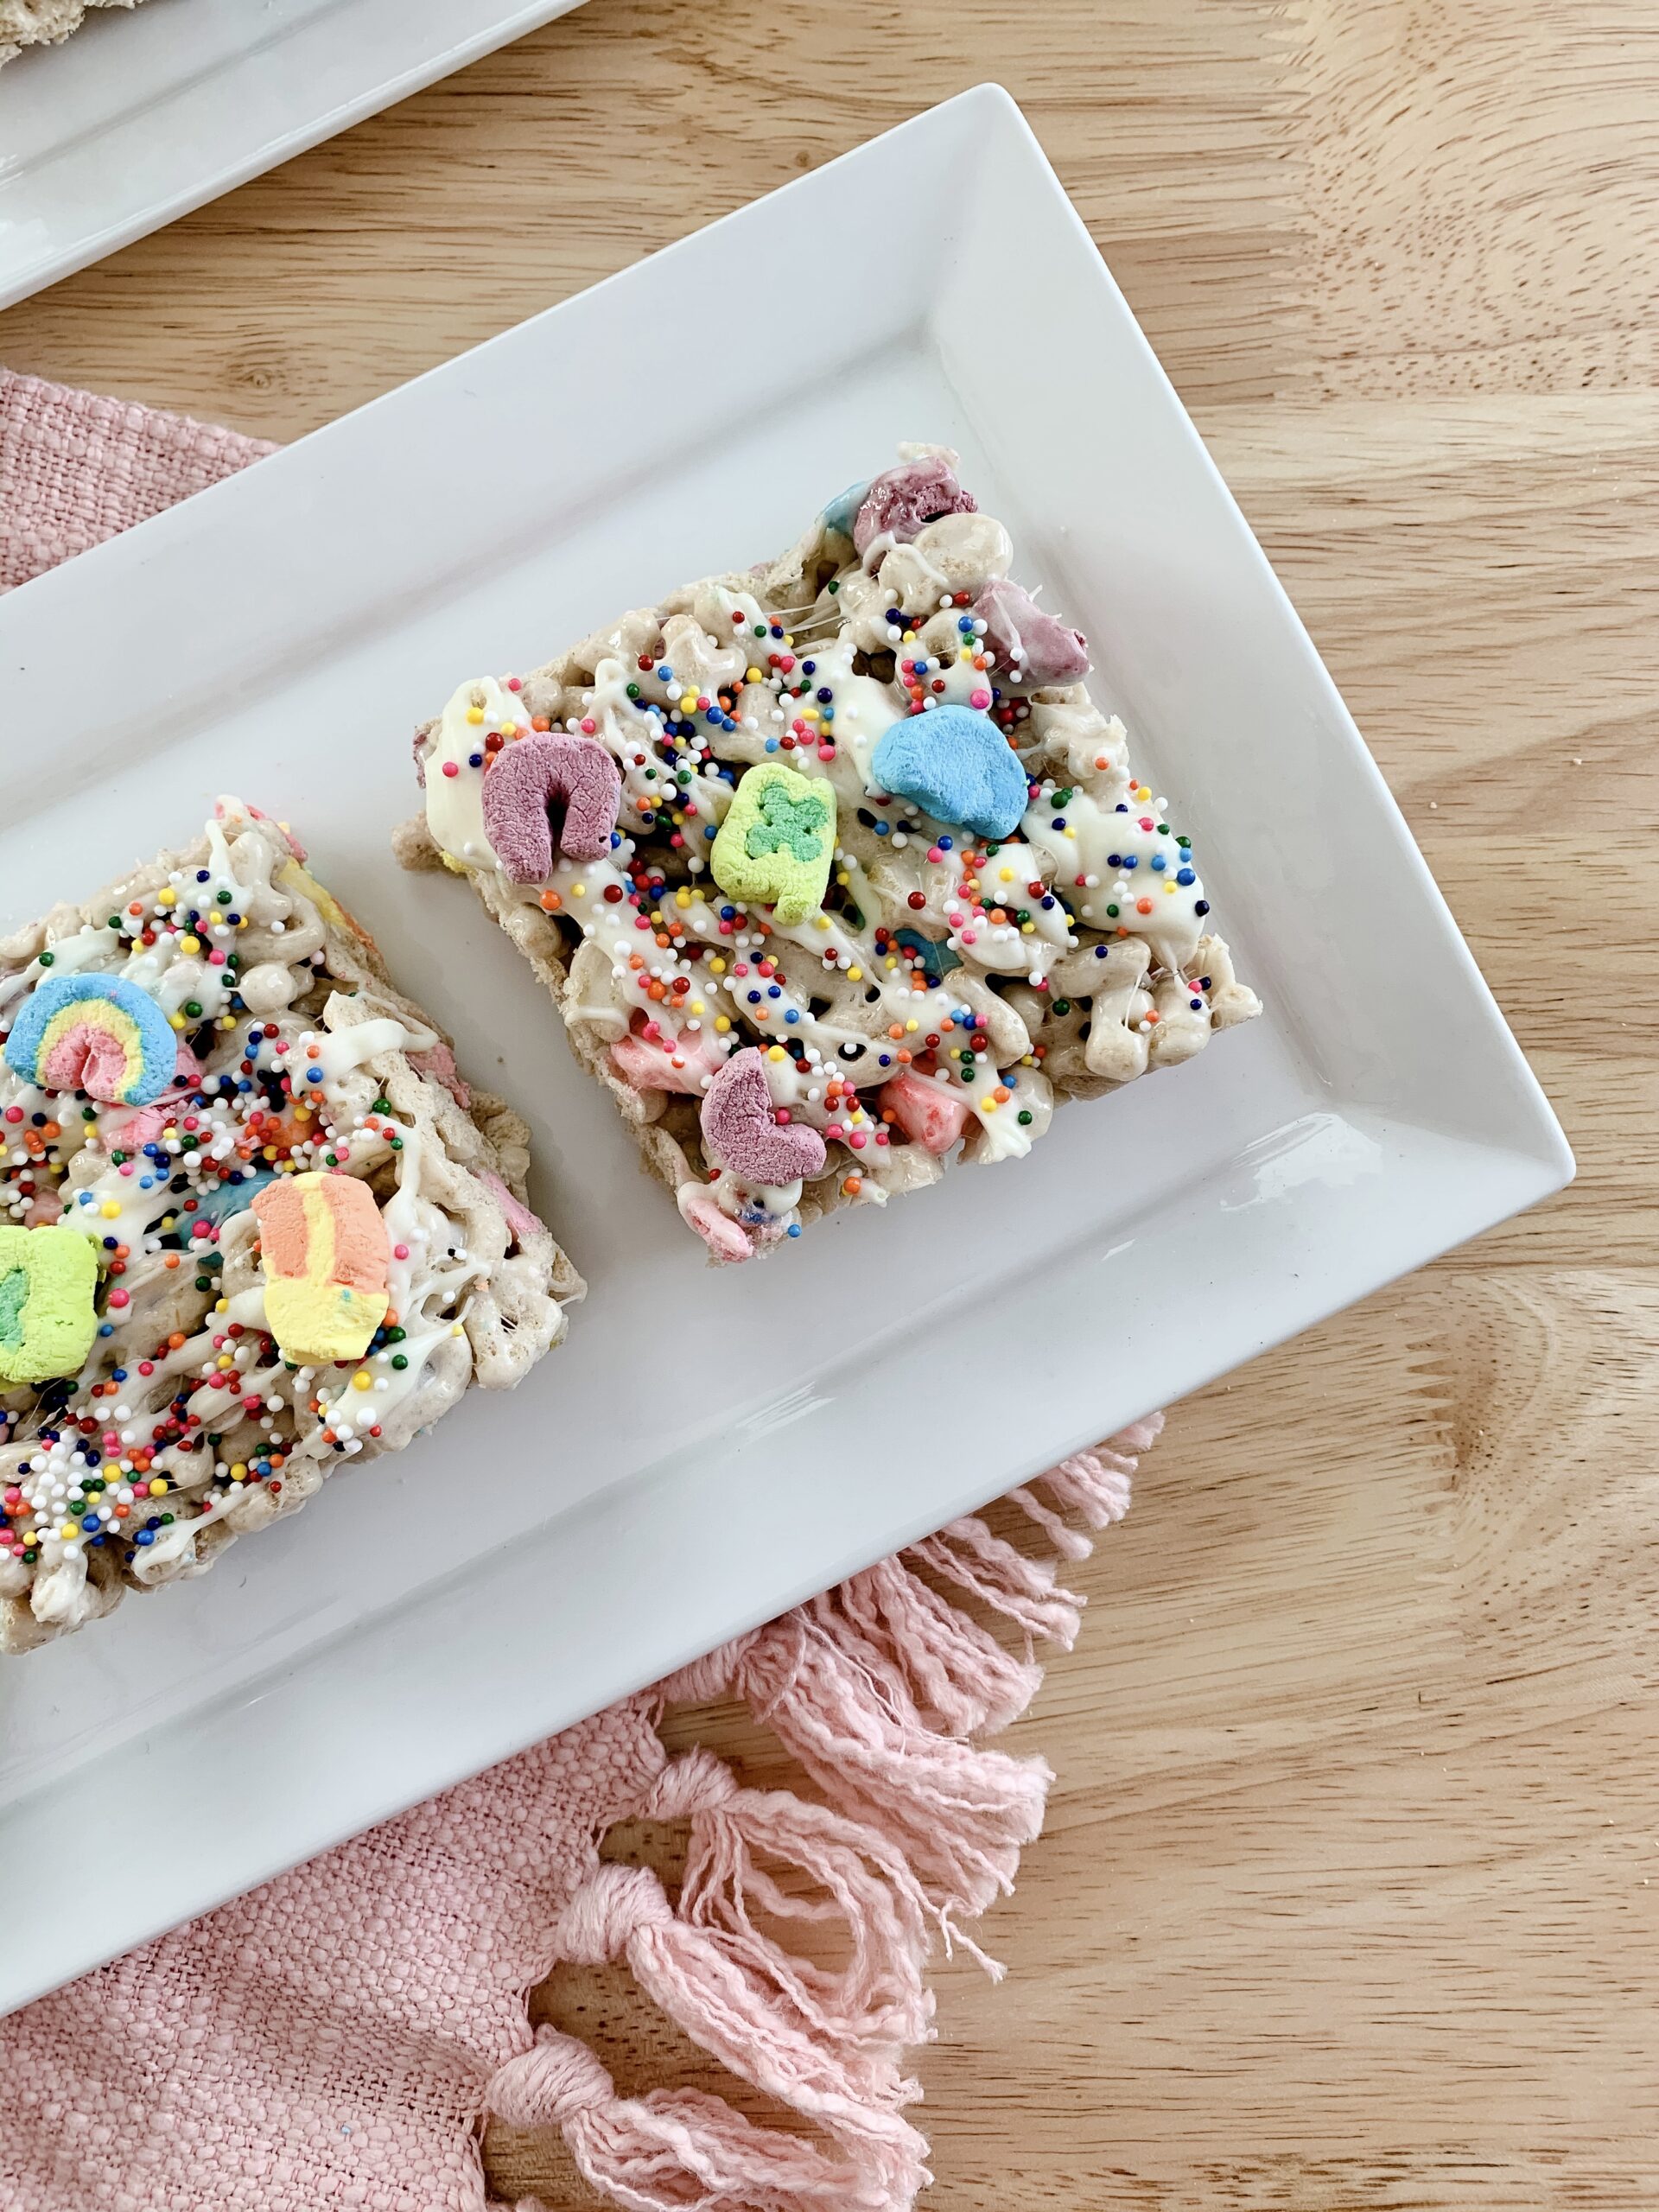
<point x="479" y="1139"/>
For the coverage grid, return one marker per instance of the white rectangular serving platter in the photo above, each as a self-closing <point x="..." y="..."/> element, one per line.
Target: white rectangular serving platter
<point x="140" y="117"/>
<point x="712" y="1447"/>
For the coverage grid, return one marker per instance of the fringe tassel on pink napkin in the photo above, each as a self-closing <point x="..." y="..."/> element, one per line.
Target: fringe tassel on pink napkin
<point x="336" y="2037"/>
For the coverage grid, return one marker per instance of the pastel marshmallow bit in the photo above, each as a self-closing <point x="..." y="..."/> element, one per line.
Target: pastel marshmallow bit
<point x="935" y="955"/>
<point x="740" y="1130"/>
<point x="97" y="1033"/>
<point x="520" y="1221"/>
<point x="778" y="839"/>
<point x="682" y="1064"/>
<point x="1048" y="651"/>
<point x="536" y="774"/>
<point x="728" y="1240"/>
<point x="903" y="500"/>
<point x="957" y="766"/>
<point x="439" y="1062"/>
<point x="324" y="1251"/>
<point x="218" y="1202"/>
<point x="294" y="875"/>
<point x="48" y="1312"/>
<point x="842" y="510"/>
<point x="931" y="1114"/>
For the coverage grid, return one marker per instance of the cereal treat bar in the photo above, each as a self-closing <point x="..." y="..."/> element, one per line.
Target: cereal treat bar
<point x="44" y="22"/>
<point x="252" y="1223"/>
<point x="832" y="868"/>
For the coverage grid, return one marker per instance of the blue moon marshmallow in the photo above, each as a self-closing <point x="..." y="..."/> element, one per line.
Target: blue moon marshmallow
<point x="957" y="766"/>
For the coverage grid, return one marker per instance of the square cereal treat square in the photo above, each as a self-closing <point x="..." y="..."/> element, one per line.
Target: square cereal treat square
<point x="833" y="868"/>
<point x="253" y="1224"/>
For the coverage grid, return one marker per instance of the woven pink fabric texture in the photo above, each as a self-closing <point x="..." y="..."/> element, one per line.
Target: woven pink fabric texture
<point x="76" y="468"/>
<point x="339" y="2038"/>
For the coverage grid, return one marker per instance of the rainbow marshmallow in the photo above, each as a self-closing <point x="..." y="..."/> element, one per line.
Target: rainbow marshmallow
<point x="323" y="1247"/>
<point x="97" y="1033"/>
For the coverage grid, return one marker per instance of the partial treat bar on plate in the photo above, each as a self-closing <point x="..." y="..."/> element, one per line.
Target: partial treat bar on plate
<point x="44" y="22"/>
<point x="834" y="867"/>
<point x="253" y="1224"/>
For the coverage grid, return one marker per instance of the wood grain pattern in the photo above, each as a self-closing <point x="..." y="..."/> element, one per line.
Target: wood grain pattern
<point x="1350" y="1890"/>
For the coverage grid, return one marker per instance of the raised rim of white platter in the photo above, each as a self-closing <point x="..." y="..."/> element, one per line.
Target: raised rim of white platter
<point x="143" y="116"/>
<point x="714" y="1445"/>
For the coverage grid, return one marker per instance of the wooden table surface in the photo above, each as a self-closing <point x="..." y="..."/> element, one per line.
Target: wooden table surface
<point x="1349" y="1889"/>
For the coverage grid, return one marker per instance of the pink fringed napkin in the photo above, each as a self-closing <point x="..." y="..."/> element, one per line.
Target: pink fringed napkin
<point x="76" y="468"/>
<point x="337" y="2037"/>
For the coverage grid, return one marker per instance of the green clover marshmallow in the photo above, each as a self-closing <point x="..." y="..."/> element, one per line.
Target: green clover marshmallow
<point x="777" y="841"/>
<point x="48" y="1280"/>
